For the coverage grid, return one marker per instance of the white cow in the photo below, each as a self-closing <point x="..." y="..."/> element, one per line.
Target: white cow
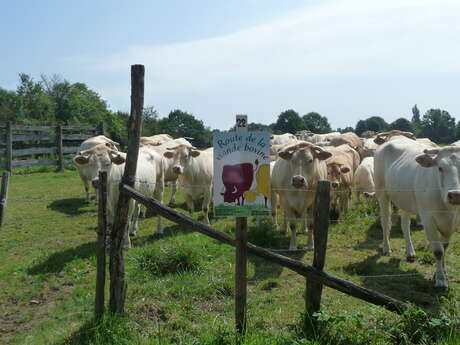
<point x="317" y="138"/>
<point x="155" y="140"/>
<point x="363" y="180"/>
<point x="83" y="170"/>
<point x="195" y="171"/>
<point x="423" y="181"/>
<point x="149" y="179"/>
<point x="286" y="138"/>
<point x="170" y="176"/>
<point x="294" y="178"/>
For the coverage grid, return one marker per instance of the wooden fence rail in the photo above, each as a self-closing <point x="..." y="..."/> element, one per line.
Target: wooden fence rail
<point x="308" y="271"/>
<point x="42" y="140"/>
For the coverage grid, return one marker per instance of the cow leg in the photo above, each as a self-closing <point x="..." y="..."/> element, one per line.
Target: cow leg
<point x="437" y="247"/>
<point x="405" y="225"/>
<point x="158" y="195"/>
<point x="172" y="200"/>
<point x="385" y="219"/>
<point x="293" y="242"/>
<point x="274" y="205"/>
<point x="133" y="224"/>
<point x="86" y="184"/>
<point x="206" y="205"/>
<point x="189" y="201"/>
<point x="309" y="220"/>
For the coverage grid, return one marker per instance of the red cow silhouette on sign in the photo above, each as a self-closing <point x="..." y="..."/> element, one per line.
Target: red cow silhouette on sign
<point x="237" y="179"/>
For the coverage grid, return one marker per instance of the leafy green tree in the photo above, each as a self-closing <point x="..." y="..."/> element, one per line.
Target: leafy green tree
<point x="9" y="105"/>
<point x="182" y="124"/>
<point x="439" y="126"/>
<point x="288" y="121"/>
<point x="402" y="124"/>
<point x="373" y="123"/>
<point x="150" y="125"/>
<point x="35" y="107"/>
<point x="346" y="129"/>
<point x="415" y="115"/>
<point x="316" y="123"/>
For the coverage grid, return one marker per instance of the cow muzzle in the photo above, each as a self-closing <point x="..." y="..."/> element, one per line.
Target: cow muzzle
<point x="369" y="195"/>
<point x="298" y="181"/>
<point x="95" y="183"/>
<point x="177" y="170"/>
<point x="453" y="197"/>
<point x="335" y="185"/>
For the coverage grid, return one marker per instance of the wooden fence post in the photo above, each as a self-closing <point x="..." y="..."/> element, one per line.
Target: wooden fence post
<point x="60" y="151"/>
<point x="320" y="231"/>
<point x="4" y="195"/>
<point x="119" y="233"/>
<point x="100" y="247"/>
<point x="9" y="147"/>
<point x="241" y="253"/>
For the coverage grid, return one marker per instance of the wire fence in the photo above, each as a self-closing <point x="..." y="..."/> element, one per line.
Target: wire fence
<point x="355" y="246"/>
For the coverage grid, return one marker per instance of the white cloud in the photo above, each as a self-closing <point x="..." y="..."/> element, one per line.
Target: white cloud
<point x="343" y="58"/>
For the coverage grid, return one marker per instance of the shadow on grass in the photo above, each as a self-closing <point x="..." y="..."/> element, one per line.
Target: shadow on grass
<point x="374" y="233"/>
<point x="266" y="236"/>
<point x="390" y="279"/>
<point x="55" y="262"/>
<point x="71" y="207"/>
<point x="111" y="329"/>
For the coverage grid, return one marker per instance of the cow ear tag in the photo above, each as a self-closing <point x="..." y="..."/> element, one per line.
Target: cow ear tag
<point x="425" y="161"/>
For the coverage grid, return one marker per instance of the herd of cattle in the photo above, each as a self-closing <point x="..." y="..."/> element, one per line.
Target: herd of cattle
<point x="411" y="175"/>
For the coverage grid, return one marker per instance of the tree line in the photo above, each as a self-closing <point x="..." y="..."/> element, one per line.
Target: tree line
<point x="56" y="101"/>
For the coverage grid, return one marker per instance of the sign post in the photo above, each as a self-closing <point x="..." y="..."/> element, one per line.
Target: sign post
<point x="241" y="190"/>
<point x="241" y="240"/>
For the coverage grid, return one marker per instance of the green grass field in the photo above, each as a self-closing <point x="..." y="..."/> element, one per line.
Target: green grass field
<point x="180" y="285"/>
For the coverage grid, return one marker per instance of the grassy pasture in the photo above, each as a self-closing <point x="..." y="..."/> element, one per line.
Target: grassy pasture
<point x="180" y="285"/>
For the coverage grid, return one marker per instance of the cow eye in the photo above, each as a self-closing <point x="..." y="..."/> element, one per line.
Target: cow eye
<point x="440" y="169"/>
<point x="310" y="160"/>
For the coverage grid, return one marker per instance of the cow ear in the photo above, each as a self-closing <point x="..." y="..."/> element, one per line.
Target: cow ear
<point x="380" y="140"/>
<point x="117" y="159"/>
<point x="194" y="153"/>
<point x="321" y="153"/>
<point x="344" y="170"/>
<point x="425" y="160"/>
<point x="168" y="154"/>
<point x="287" y="155"/>
<point x="81" y="160"/>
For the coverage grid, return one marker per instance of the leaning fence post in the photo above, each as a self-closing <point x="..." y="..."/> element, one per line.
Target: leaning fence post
<point x="119" y="233"/>
<point x="60" y="151"/>
<point x="4" y="195"/>
<point x="100" y="247"/>
<point x="320" y="230"/>
<point x="9" y="146"/>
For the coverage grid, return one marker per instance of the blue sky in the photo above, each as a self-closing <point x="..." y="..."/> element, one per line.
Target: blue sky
<point x="346" y="59"/>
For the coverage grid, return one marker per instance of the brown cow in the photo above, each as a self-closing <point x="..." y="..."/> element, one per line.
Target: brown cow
<point x="340" y="170"/>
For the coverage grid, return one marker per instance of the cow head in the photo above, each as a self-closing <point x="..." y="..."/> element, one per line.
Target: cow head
<point x="99" y="158"/>
<point x="181" y="156"/>
<point x="446" y="161"/>
<point x="302" y="158"/>
<point x="334" y="173"/>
